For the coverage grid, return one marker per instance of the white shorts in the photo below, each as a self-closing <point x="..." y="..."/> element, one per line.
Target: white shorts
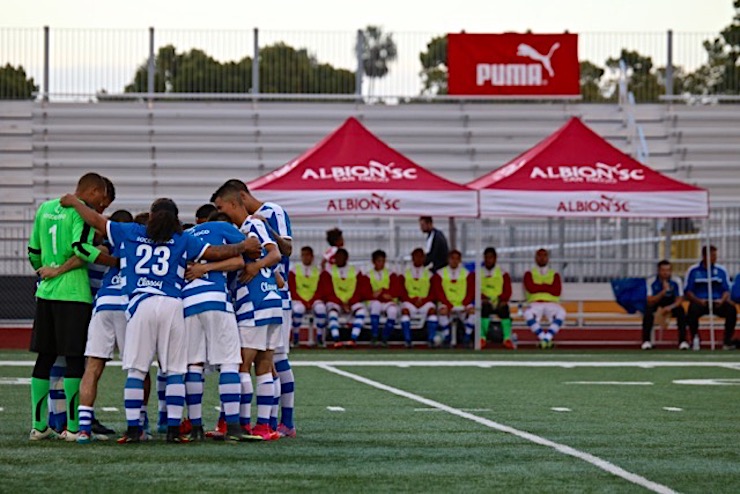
<point x="330" y="306"/>
<point x="107" y="331"/>
<point x="377" y="307"/>
<point x="157" y="328"/>
<point x="260" y="338"/>
<point x="420" y="312"/>
<point x="213" y="338"/>
<point x="286" y="332"/>
<point x="548" y="310"/>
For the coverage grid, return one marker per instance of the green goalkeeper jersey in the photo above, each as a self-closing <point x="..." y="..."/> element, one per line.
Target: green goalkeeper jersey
<point x="58" y="234"/>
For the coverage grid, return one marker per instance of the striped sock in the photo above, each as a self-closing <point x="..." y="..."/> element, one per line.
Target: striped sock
<point x="57" y="400"/>
<point x="406" y="328"/>
<point x="133" y="396"/>
<point x="287" y="389"/>
<point x="374" y="324"/>
<point x="334" y="324"/>
<point x="432" y="324"/>
<point x="319" y="318"/>
<point x="245" y="401"/>
<point x="357" y="324"/>
<point x="275" y="402"/>
<point x="175" y="397"/>
<point x="229" y="390"/>
<point x="161" y="398"/>
<point x="297" y="321"/>
<point x="388" y="329"/>
<point x="194" y="394"/>
<point x="264" y="398"/>
<point x="87" y="415"/>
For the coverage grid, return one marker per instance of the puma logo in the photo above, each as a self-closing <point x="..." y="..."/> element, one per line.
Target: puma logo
<point x="524" y="50"/>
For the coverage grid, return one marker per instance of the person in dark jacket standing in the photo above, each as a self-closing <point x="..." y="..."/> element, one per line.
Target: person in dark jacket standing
<point x="436" y="249"/>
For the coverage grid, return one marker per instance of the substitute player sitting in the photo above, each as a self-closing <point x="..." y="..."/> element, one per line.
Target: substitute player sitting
<point x="307" y="295"/>
<point x="417" y="298"/>
<point x="455" y="289"/>
<point x="542" y="287"/>
<point x="345" y="291"/>
<point x="384" y="286"/>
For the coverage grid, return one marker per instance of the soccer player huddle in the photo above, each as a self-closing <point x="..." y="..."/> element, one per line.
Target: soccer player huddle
<point x="211" y="296"/>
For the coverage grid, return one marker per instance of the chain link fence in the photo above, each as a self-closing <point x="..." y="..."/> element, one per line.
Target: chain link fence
<point x="94" y="64"/>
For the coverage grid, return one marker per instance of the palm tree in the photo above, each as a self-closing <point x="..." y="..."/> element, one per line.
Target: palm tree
<point x="377" y="50"/>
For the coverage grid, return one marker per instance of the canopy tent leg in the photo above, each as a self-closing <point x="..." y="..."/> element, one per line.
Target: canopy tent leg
<point x="478" y="279"/>
<point x="710" y="302"/>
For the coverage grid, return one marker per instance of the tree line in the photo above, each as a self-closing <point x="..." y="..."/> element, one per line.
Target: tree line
<point x="288" y="70"/>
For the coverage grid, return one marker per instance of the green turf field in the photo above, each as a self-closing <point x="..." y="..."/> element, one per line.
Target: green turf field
<point x="428" y="422"/>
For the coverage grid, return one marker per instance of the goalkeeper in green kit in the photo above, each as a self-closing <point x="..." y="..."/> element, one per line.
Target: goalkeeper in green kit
<point x="63" y="303"/>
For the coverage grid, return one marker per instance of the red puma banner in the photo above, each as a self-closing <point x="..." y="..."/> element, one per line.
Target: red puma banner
<point x="513" y="64"/>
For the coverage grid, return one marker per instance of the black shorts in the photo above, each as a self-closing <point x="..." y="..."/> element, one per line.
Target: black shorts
<point x="60" y="328"/>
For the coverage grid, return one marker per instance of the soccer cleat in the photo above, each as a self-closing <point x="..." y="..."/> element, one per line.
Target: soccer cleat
<point x="175" y="437"/>
<point x="84" y="437"/>
<point x="543" y="344"/>
<point x="509" y="345"/>
<point x="265" y="432"/>
<point x="338" y="344"/>
<point x="684" y="345"/>
<point x="285" y="431"/>
<point x="37" y="435"/>
<point x="483" y="343"/>
<point x="69" y="436"/>
<point x="98" y="428"/>
<point x="351" y="344"/>
<point x="185" y="427"/>
<point x="239" y="433"/>
<point x="132" y="435"/>
<point x="219" y="431"/>
<point x="197" y="434"/>
<point x="646" y="345"/>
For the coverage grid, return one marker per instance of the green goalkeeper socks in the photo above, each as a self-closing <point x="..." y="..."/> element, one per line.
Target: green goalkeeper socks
<point x="39" y="403"/>
<point x="484" y="325"/>
<point x="506" y="328"/>
<point x="72" y="392"/>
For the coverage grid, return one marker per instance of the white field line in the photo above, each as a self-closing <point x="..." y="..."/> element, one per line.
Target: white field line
<point x="562" y="448"/>
<point x="673" y="409"/>
<point x="335" y="409"/>
<point x="109" y="409"/>
<point x="613" y="383"/>
<point x="463" y="409"/>
<point x="484" y="364"/>
<point x="561" y="409"/>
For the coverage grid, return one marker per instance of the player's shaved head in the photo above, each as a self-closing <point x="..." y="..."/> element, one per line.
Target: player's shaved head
<point x="91" y="181"/>
<point x="122" y="216"/>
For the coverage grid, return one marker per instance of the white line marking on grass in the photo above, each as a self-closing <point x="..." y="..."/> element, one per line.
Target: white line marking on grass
<point x="561" y="409"/>
<point x="218" y="409"/>
<point x="335" y="409"/>
<point x="2" y="409"/>
<point x="463" y="409"/>
<point x="613" y="383"/>
<point x="709" y="382"/>
<point x="109" y="409"/>
<point x="673" y="409"/>
<point x="562" y="448"/>
<point x="20" y="381"/>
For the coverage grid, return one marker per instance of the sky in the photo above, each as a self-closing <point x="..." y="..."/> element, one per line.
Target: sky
<point x="395" y="15"/>
<point x="92" y="48"/>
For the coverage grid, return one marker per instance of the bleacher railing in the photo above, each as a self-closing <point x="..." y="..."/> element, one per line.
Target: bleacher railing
<point x="92" y="64"/>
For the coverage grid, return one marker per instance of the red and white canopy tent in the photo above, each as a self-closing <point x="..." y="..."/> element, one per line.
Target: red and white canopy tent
<point x="351" y="172"/>
<point x="575" y="173"/>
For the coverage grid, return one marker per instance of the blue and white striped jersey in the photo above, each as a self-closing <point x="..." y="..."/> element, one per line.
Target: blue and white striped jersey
<point x="210" y="292"/>
<point x="279" y="221"/>
<point x="151" y="268"/>
<point x="258" y="303"/>
<point x="112" y="294"/>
